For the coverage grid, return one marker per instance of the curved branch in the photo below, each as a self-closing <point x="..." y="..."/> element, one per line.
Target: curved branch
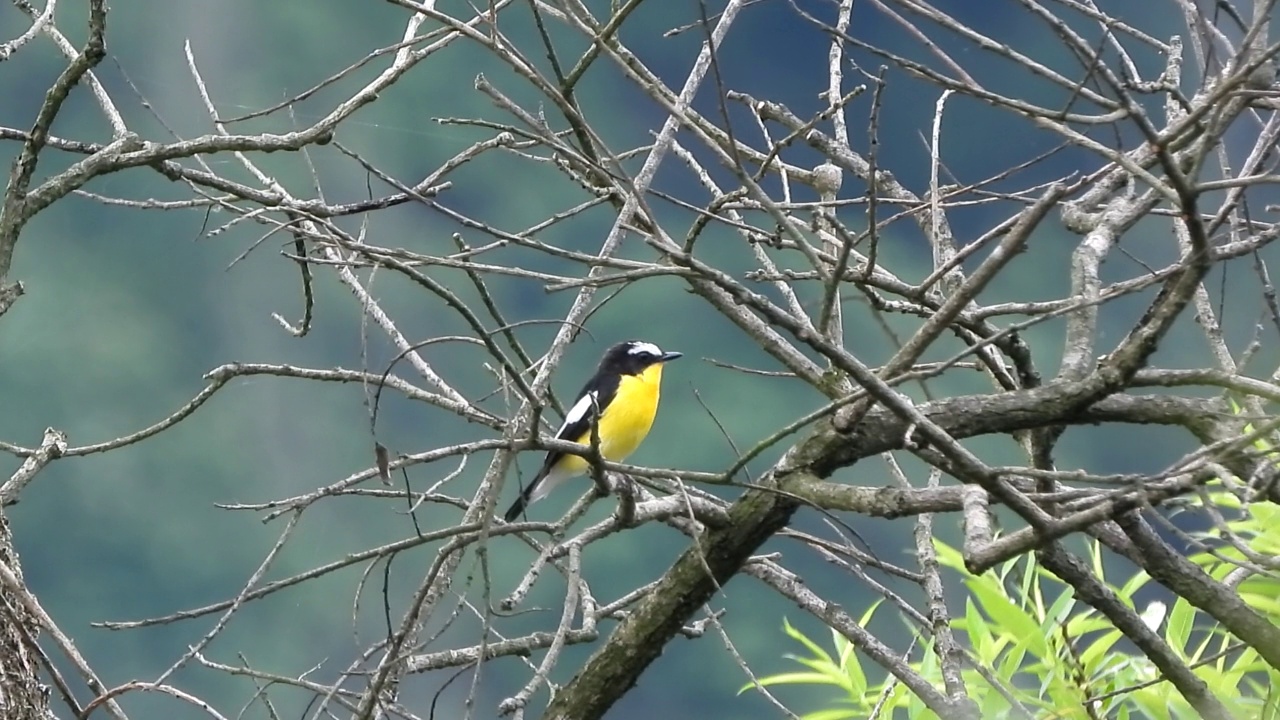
<point x="686" y="587"/>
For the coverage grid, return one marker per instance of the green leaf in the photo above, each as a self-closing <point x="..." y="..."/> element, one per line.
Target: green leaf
<point x="801" y="638"/>
<point x="1153" y="701"/>
<point x="866" y="616"/>
<point x="1097" y="651"/>
<point x="979" y="633"/>
<point x="1086" y="622"/>
<point x="1011" y="663"/>
<point x="1063" y="694"/>
<point x="1060" y="610"/>
<point x="994" y="705"/>
<point x="1011" y="619"/>
<point x="1248" y="662"/>
<point x="855" y="678"/>
<point x="929" y="668"/>
<point x="793" y="678"/>
<point x="819" y="665"/>
<point x="949" y="556"/>
<point x="1131" y="586"/>
<point x="1095" y="555"/>
<point x="1265" y="604"/>
<point x="1029" y="589"/>
<point x="1182" y="620"/>
<point x="833" y="715"/>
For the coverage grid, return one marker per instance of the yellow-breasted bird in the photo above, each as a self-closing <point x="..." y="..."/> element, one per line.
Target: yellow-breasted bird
<point x="624" y="394"/>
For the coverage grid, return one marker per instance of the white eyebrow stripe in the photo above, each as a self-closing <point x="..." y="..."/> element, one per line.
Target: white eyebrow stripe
<point x="644" y="348"/>
<point x="578" y="411"/>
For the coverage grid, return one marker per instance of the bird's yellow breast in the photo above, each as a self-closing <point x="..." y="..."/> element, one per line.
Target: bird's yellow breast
<point x="627" y="419"/>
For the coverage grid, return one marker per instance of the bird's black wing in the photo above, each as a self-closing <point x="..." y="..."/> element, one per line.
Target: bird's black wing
<point x="594" y="397"/>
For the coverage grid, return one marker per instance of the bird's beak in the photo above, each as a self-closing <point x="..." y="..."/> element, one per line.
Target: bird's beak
<point x="667" y="357"/>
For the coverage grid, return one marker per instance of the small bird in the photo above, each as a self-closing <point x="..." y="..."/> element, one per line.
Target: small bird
<point x="624" y="392"/>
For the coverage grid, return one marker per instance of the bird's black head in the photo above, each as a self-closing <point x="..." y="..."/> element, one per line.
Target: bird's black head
<point x="633" y="356"/>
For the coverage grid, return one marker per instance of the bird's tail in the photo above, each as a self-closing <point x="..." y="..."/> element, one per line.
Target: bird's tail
<point x="544" y="483"/>
<point x="520" y="504"/>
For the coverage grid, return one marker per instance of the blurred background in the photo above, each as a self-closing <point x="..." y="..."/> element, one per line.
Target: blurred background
<point x="126" y="310"/>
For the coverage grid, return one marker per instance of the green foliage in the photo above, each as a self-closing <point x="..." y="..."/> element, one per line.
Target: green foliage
<point x="843" y="671"/>
<point x="1056" y="657"/>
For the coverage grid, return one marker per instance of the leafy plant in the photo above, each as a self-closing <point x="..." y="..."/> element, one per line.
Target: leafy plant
<point x="1042" y="651"/>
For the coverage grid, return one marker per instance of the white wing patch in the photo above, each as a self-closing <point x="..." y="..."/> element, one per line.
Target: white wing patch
<point x="579" y="411"/>
<point x="644" y="348"/>
<point x="556" y="476"/>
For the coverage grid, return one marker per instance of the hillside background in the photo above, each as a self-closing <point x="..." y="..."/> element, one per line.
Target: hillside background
<point x="125" y="312"/>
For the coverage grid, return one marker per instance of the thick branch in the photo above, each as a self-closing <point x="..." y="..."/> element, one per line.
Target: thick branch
<point x="686" y="587"/>
<point x="1187" y="580"/>
<point x="1098" y="596"/>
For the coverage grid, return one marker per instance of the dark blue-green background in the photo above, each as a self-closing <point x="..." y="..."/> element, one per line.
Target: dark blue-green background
<point x="125" y="311"/>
